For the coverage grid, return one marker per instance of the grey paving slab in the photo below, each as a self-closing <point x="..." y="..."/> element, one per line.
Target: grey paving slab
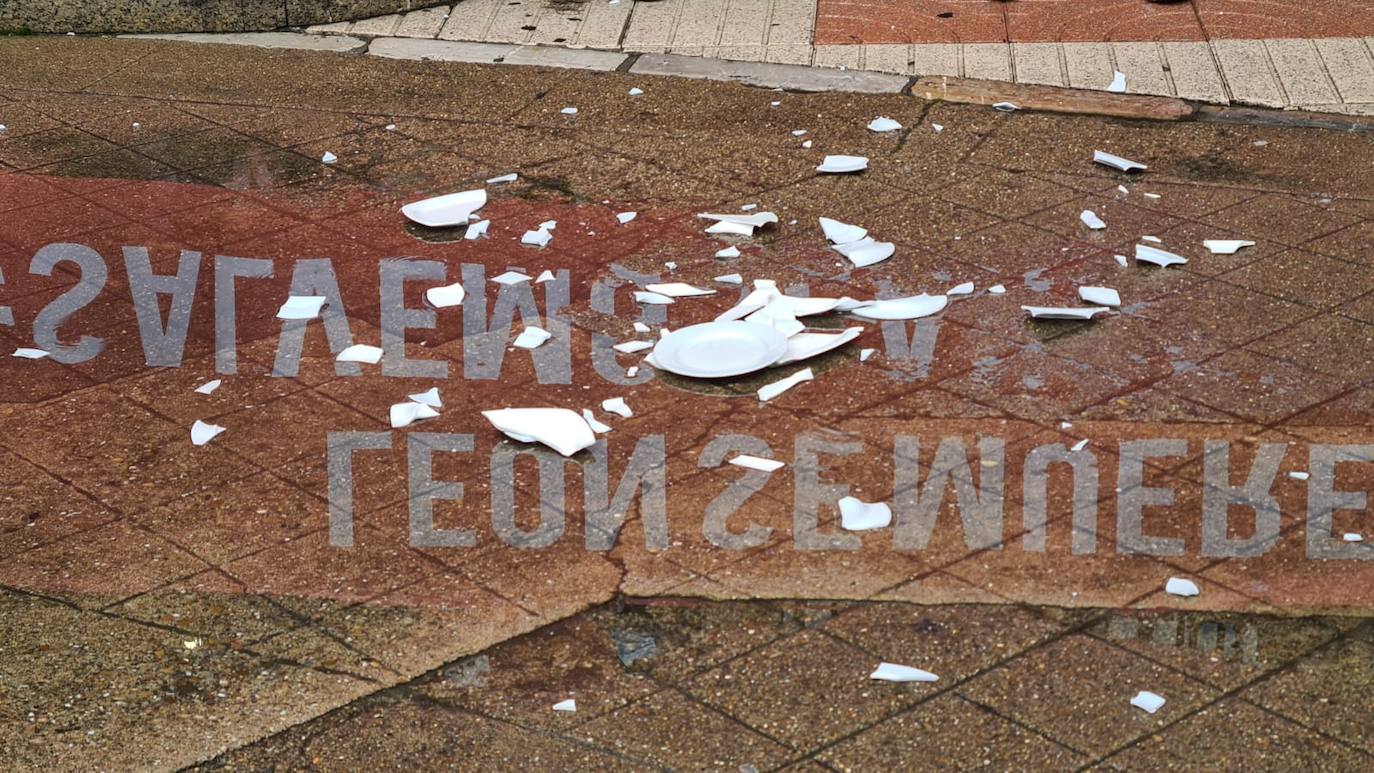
<point x="299" y="40"/>
<point x="770" y="75"/>
<point x="440" y="50"/>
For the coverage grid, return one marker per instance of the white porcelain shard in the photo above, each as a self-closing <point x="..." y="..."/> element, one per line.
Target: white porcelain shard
<point x="864" y="354"/>
<point x="632" y="371"/>
<point x="540" y="237"/>
<point x="729" y="252"/>
<point x="202" y="433"/>
<point x="754" y="220"/>
<point x="1178" y="586"/>
<point x="447" y="210"/>
<point x="1147" y="254"/>
<point x="804" y="346"/>
<point x="548" y="225"/>
<point x="1297" y="475"/>
<point x="477" y="230"/>
<point x="656" y="298"/>
<point x="1147" y="701"/>
<point x="301" y="307"/>
<point x="1225" y="246"/>
<point x="997" y="289"/>
<point x="640" y="327"/>
<point x="798" y="132"/>
<point x="636" y="91"/>
<point x="1102" y="296"/>
<point x="1005" y="107"/>
<point x="531" y="338"/>
<point x="1351" y="536"/>
<point x="730" y="229"/>
<point x="1118" y="84"/>
<point x="391" y="127"/>
<point x="209" y="387"/>
<point x="807" y="145"/>
<point x="1063" y="312"/>
<point x="617" y="406"/>
<point x="841" y="233"/>
<point x="428" y="397"/>
<point x="1091" y="220"/>
<point x="883" y="124"/>
<point x="757" y="463"/>
<point x="1117" y="162"/>
<point x="329" y="158"/>
<point x="729" y="279"/>
<point x="678" y="290"/>
<point x="511" y="278"/>
<point x="937" y="128"/>
<point x="911" y="307"/>
<point x="567" y="705"/>
<point x="779" y="317"/>
<point x="1120" y="260"/>
<point x="405" y="414"/>
<point x="865" y="252"/>
<point x="892" y="672"/>
<point x="842" y="164"/>
<point x="856" y="515"/>
<point x="1152" y="196"/>
<point x="1079" y="446"/>
<point x="596" y="426"/>
<point x="748" y="207"/>
<point x="505" y="178"/>
<point x="1123" y="190"/>
<point x="364" y="353"/>
<point x="625" y="217"/>
<point x="1155" y="239"/>
<point x="630" y="347"/>
<point x="544" y="276"/>
<point x="558" y="428"/>
<point x="568" y="111"/>
<point x="28" y="353"/>
<point x="776" y="388"/>
<point x="963" y="288"/>
<point x="446" y="296"/>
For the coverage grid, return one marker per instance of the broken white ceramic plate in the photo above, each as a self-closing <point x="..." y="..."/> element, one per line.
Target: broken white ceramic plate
<point x="329" y="158"/>
<point x="807" y="144"/>
<point x="719" y="349"/>
<point x="755" y="220"/>
<point x="757" y="463"/>
<point x="1178" y="586"/>
<point x="678" y="290"/>
<point x="625" y="217"/>
<point x="208" y="387"/>
<point x="776" y="388"/>
<point x="1147" y="701"/>
<point x="1147" y="254"/>
<point x="477" y="230"/>
<point x="632" y="371"/>
<point x="911" y="307"/>
<point x="891" y="672"/>
<point x="804" y="346"/>
<point x="406" y="414"/>
<point x="964" y="288"/>
<point x="1154" y="239"/>
<point x="1225" y="246"/>
<point x="1080" y="445"/>
<point x="567" y="705"/>
<point x="511" y="278"/>
<point x="729" y="252"/>
<point x="864" y="354"/>
<point x="301" y="307"/>
<point x="1062" y="312"/>
<point x="841" y="233"/>
<point x="730" y="229"/>
<point x="997" y="289"/>
<point x="505" y="178"/>
<point x="1299" y="475"/>
<point x="568" y="111"/>
<point x="1118" y="84"/>
<point x="544" y="276"/>
<point x="361" y="353"/>
<point x="1091" y="220"/>
<point x="532" y="338"/>
<point x="1351" y="536"/>
<point x="26" y="353"/>
<point x="729" y="279"/>
<point x="842" y="164"/>
<point x="558" y="428"/>
<point x="1117" y="162"/>
<point x="636" y="91"/>
<point x="640" y="327"/>
<point x="596" y="426"/>
<point x="617" y="406"/>
<point x="448" y="295"/>
<point x="798" y="132"/>
<point x="937" y="128"/>
<point x="445" y="211"/>
<point x="202" y="433"/>
<point x="779" y="317"/>
<point x="537" y="238"/>
<point x="548" y="225"/>
<point x="856" y="515"/>
<point x="630" y="347"/>
<point x="671" y="265"/>
<point x="1152" y="196"/>
<point x="866" y="251"/>
<point x="428" y="397"/>
<point x="883" y="124"/>
<point x="1120" y="260"/>
<point x="647" y="297"/>
<point x="1102" y="296"/>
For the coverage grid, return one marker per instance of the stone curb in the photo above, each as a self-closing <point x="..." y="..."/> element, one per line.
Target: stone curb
<point x="177" y="16"/>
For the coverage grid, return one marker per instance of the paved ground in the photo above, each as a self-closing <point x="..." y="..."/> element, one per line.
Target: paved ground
<point x="1315" y="56"/>
<point x="167" y="605"/>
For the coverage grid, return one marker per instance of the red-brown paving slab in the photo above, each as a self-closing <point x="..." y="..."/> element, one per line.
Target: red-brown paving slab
<point x="1051" y="21"/>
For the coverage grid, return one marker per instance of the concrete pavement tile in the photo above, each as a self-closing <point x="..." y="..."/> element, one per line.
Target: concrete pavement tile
<point x="1255" y="388"/>
<point x="1298" y="223"/>
<point x="39" y="508"/>
<point x="216" y="608"/>
<point x="1322" y="690"/>
<point x="949" y="733"/>
<point x="1353" y="244"/>
<point x="1077" y="690"/>
<point x="1313" y="343"/>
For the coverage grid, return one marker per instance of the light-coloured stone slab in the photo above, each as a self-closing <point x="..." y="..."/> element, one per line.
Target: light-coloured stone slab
<point x="894" y="58"/>
<point x="1089" y="65"/>
<point x="766" y="75"/>
<point x="1245" y="65"/>
<point x="1037" y="63"/>
<point x="936" y="59"/>
<point x="573" y="58"/>
<point x="1144" y="68"/>
<point x="987" y="61"/>
<point x="1350" y="66"/>
<point x="299" y="40"/>
<point x="745" y="23"/>
<point x="793" y="23"/>
<point x="422" y="24"/>
<point x="441" y="50"/>
<point x="604" y="24"/>
<point x="651" y="25"/>
<point x="1301" y="71"/>
<point x="469" y="20"/>
<point x="1194" y="72"/>
<point x="848" y="57"/>
<point x="377" y="25"/>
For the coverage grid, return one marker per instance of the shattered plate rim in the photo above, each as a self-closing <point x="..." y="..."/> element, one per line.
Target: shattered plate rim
<point x="685" y="351"/>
